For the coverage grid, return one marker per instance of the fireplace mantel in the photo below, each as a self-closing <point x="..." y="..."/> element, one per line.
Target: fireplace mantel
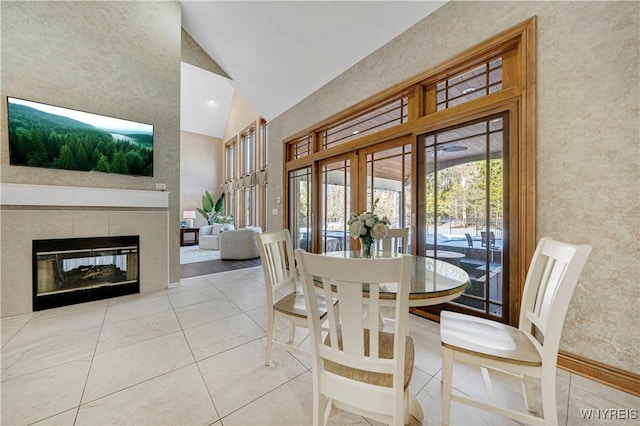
<point x="14" y="194"/>
<point x="44" y="212"/>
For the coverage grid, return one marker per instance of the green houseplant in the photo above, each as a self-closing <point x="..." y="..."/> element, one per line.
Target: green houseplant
<point x="209" y="210"/>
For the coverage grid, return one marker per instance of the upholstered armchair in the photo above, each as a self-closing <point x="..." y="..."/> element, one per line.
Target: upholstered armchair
<point x="210" y="236"/>
<point x="239" y="244"/>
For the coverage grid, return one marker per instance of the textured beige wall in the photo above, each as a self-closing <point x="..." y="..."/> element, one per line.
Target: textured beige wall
<point x="200" y="170"/>
<point x="241" y="114"/>
<point x="588" y="188"/>
<point x="193" y="54"/>
<point x="120" y="59"/>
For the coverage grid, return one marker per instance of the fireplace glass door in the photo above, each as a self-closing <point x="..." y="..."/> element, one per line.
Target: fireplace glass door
<point x="66" y="269"/>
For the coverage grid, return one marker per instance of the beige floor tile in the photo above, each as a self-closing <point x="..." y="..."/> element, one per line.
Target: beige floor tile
<point x="605" y="392"/>
<point x="137" y="297"/>
<point x="224" y="277"/>
<point x="218" y="336"/>
<point x="123" y="333"/>
<point x="41" y="329"/>
<point x="66" y="418"/>
<point x="186" y="298"/>
<point x="255" y="273"/>
<point x="289" y="404"/>
<point x="419" y="379"/>
<point x="242" y="285"/>
<point x="176" y="398"/>
<point x="11" y="325"/>
<point x="212" y="310"/>
<point x="39" y="395"/>
<point x="122" y="309"/>
<point x="49" y="314"/>
<point x="468" y="380"/>
<point x="302" y="340"/>
<point x="259" y="315"/>
<point x="250" y="300"/>
<point x="340" y="417"/>
<point x="428" y="351"/>
<point x="591" y="403"/>
<point x="117" y="369"/>
<point x="143" y="371"/>
<point x="36" y="355"/>
<point x="191" y="283"/>
<point x="563" y="381"/>
<point x="430" y="399"/>
<point x="238" y="376"/>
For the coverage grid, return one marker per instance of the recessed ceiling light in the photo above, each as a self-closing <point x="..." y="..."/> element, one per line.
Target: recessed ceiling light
<point x="355" y="132"/>
<point x="468" y="90"/>
<point x="454" y="148"/>
<point x="212" y="102"/>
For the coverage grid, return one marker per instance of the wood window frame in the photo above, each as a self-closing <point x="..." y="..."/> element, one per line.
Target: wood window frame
<point x="230" y="169"/>
<point x="517" y="45"/>
<point x="248" y="132"/>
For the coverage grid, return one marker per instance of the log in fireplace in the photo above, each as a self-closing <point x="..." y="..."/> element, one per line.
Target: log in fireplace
<point x="75" y="270"/>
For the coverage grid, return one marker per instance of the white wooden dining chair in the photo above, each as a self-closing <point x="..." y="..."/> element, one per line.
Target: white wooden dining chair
<point x="396" y="237"/>
<point x="284" y="299"/>
<point x="356" y="368"/>
<point x="528" y="352"/>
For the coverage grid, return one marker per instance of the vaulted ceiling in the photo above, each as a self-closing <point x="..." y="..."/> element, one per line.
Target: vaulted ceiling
<point x="278" y="53"/>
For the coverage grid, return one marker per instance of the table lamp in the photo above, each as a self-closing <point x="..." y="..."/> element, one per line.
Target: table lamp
<point x="189" y="215"/>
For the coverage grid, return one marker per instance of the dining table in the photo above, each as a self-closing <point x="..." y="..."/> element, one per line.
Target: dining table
<point x="433" y="282"/>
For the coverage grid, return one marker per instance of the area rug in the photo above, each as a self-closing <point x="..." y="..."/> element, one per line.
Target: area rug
<point x="193" y="254"/>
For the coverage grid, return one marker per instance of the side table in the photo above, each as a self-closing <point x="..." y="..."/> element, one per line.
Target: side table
<point x="191" y="241"/>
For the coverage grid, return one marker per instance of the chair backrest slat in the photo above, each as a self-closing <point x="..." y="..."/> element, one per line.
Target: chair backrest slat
<point x="276" y="254"/>
<point x="551" y="280"/>
<point x="396" y="237"/>
<point x="355" y="336"/>
<point x="351" y="320"/>
<point x="332" y="313"/>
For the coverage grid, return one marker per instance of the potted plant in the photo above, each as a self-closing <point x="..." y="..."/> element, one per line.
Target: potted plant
<point x="209" y="210"/>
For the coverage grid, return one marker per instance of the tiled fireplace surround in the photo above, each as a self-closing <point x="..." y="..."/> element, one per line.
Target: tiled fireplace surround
<point x="45" y="212"/>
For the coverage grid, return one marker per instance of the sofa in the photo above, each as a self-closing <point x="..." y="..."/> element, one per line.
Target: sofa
<point x="239" y="244"/>
<point x="210" y="236"/>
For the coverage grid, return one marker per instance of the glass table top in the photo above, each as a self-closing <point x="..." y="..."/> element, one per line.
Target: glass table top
<point x="429" y="277"/>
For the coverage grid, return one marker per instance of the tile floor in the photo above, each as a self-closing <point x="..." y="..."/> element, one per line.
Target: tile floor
<point x="194" y="354"/>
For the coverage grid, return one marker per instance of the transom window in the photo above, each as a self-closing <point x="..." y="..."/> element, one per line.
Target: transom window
<point x="388" y="115"/>
<point x="300" y="147"/>
<point x="470" y="84"/>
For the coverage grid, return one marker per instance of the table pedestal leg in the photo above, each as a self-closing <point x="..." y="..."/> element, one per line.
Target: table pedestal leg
<point x="415" y="409"/>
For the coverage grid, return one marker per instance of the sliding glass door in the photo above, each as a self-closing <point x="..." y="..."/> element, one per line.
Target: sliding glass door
<point x="388" y="180"/>
<point x="463" y="218"/>
<point x="335" y="204"/>
<point x="300" y="212"/>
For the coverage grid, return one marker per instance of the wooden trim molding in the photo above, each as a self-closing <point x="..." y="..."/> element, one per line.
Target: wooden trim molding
<point x="614" y="377"/>
<point x="27" y="195"/>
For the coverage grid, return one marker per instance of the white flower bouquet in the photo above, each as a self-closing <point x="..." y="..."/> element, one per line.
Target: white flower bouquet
<point x="368" y="226"/>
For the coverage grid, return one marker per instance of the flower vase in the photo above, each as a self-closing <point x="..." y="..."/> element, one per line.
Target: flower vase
<point x="366" y="247"/>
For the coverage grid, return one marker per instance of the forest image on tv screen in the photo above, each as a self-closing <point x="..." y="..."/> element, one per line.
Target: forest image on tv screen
<point x="43" y="135"/>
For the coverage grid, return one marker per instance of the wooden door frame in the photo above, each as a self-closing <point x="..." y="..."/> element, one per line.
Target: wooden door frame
<point x="316" y="240"/>
<point x="517" y="193"/>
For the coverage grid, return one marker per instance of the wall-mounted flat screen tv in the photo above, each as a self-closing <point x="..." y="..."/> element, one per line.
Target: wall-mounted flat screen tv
<point x="42" y="135"/>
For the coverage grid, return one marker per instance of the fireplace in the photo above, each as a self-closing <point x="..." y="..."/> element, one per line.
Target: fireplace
<point x="75" y="270"/>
